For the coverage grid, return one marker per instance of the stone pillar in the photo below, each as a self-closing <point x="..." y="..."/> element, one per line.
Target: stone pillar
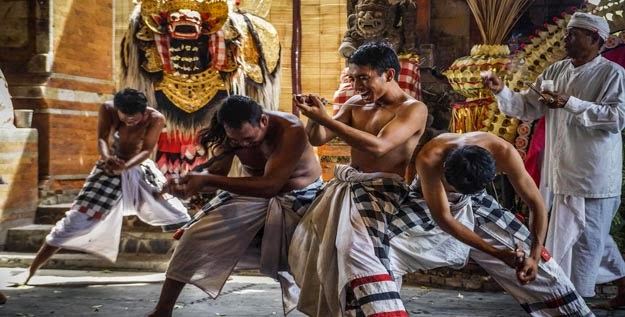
<point x="18" y="168"/>
<point x="58" y="58"/>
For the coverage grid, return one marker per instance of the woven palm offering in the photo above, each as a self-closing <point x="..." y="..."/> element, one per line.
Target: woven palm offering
<point x="495" y="19"/>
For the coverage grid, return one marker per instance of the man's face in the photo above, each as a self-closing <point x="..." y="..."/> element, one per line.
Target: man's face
<point x="367" y="83"/>
<point x="247" y="136"/>
<point x="578" y="42"/>
<point x="130" y="119"/>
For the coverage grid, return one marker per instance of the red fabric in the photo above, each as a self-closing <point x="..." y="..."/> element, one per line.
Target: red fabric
<point x="533" y="161"/>
<point x="410" y="79"/>
<point x="217" y="50"/>
<point x="370" y="279"/>
<point x="177" y="155"/>
<point x="162" y="46"/>
<point x="616" y="55"/>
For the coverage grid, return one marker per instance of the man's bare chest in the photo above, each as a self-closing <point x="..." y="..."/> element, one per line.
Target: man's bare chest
<point x="372" y="120"/>
<point x="255" y="157"/>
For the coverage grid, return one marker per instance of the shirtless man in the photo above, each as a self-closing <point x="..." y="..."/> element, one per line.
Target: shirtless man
<point x="466" y="164"/>
<point x="281" y="178"/>
<point x="127" y="133"/>
<point x="348" y="226"/>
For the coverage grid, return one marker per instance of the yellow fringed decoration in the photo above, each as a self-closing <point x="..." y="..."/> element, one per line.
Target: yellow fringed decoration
<point x="468" y="116"/>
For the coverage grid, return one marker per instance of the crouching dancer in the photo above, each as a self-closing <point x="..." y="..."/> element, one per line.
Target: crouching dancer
<point x="339" y="254"/>
<point x="281" y="178"/>
<point x="513" y="255"/>
<point x="123" y="182"/>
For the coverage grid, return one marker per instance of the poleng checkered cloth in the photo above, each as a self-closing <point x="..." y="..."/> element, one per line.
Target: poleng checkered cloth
<point x="296" y="200"/>
<point x="382" y="203"/>
<point x="217" y="50"/>
<point x="99" y="194"/>
<point x="410" y="79"/>
<point x="487" y="209"/>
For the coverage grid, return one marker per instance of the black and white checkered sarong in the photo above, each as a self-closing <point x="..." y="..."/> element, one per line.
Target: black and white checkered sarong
<point x="99" y="193"/>
<point x="487" y="209"/>
<point x="386" y="211"/>
<point x="297" y="200"/>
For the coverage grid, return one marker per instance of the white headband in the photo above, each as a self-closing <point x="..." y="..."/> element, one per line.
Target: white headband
<point x="590" y="22"/>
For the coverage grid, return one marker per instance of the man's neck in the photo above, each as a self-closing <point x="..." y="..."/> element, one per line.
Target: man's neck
<point x="392" y="97"/>
<point x="582" y="60"/>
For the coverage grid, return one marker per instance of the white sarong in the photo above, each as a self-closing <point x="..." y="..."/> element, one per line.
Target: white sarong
<point x="551" y="294"/>
<point x="93" y="224"/>
<point x="338" y="256"/>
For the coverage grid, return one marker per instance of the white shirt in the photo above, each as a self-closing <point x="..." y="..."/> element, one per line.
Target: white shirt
<point x="583" y="146"/>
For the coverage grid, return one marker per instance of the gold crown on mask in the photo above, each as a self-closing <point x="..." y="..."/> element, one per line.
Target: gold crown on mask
<point x="217" y="10"/>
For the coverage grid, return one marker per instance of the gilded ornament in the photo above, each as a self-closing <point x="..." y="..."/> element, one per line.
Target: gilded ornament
<point x="267" y="35"/>
<point x="250" y="57"/>
<point x="191" y="92"/>
<point x="152" y="63"/>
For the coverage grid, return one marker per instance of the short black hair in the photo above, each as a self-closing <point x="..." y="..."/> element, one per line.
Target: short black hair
<point x="380" y="56"/>
<point x="469" y="169"/>
<point x="130" y="101"/>
<point x="236" y="110"/>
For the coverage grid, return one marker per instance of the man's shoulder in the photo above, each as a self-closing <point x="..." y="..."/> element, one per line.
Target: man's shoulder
<point x="412" y="105"/>
<point x="558" y="66"/>
<point x="154" y="115"/>
<point x="285" y="118"/>
<point x="611" y="66"/>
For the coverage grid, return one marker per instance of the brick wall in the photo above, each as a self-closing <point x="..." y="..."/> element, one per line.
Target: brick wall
<point x="64" y="73"/>
<point x="18" y="168"/>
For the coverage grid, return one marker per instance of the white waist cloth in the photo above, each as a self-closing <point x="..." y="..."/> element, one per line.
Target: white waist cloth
<point x="79" y="231"/>
<point x="566" y="224"/>
<point x="420" y="249"/>
<point x="331" y="246"/>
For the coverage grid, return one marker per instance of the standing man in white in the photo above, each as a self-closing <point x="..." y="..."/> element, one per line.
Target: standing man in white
<point x="582" y="170"/>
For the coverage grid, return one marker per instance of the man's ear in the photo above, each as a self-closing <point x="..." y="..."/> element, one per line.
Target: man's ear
<point x="390" y="74"/>
<point x="264" y="120"/>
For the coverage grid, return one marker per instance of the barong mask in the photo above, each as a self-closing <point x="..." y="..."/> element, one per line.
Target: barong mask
<point x="184" y="19"/>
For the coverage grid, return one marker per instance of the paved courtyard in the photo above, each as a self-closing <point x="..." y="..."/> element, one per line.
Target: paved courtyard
<point x="70" y="293"/>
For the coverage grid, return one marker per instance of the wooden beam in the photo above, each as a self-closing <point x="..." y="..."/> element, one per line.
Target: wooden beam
<point x="296" y="47"/>
<point x="424" y="9"/>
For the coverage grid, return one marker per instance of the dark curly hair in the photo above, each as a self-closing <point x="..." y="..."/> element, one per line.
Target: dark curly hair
<point x="130" y="101"/>
<point x="469" y="169"/>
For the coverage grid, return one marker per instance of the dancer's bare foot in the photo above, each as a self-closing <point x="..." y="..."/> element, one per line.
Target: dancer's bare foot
<point x="3" y="298"/>
<point x="45" y="252"/>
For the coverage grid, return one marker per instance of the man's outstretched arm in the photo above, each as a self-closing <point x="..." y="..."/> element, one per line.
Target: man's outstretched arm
<point x="510" y="163"/>
<point x="278" y="170"/>
<point x="407" y="122"/>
